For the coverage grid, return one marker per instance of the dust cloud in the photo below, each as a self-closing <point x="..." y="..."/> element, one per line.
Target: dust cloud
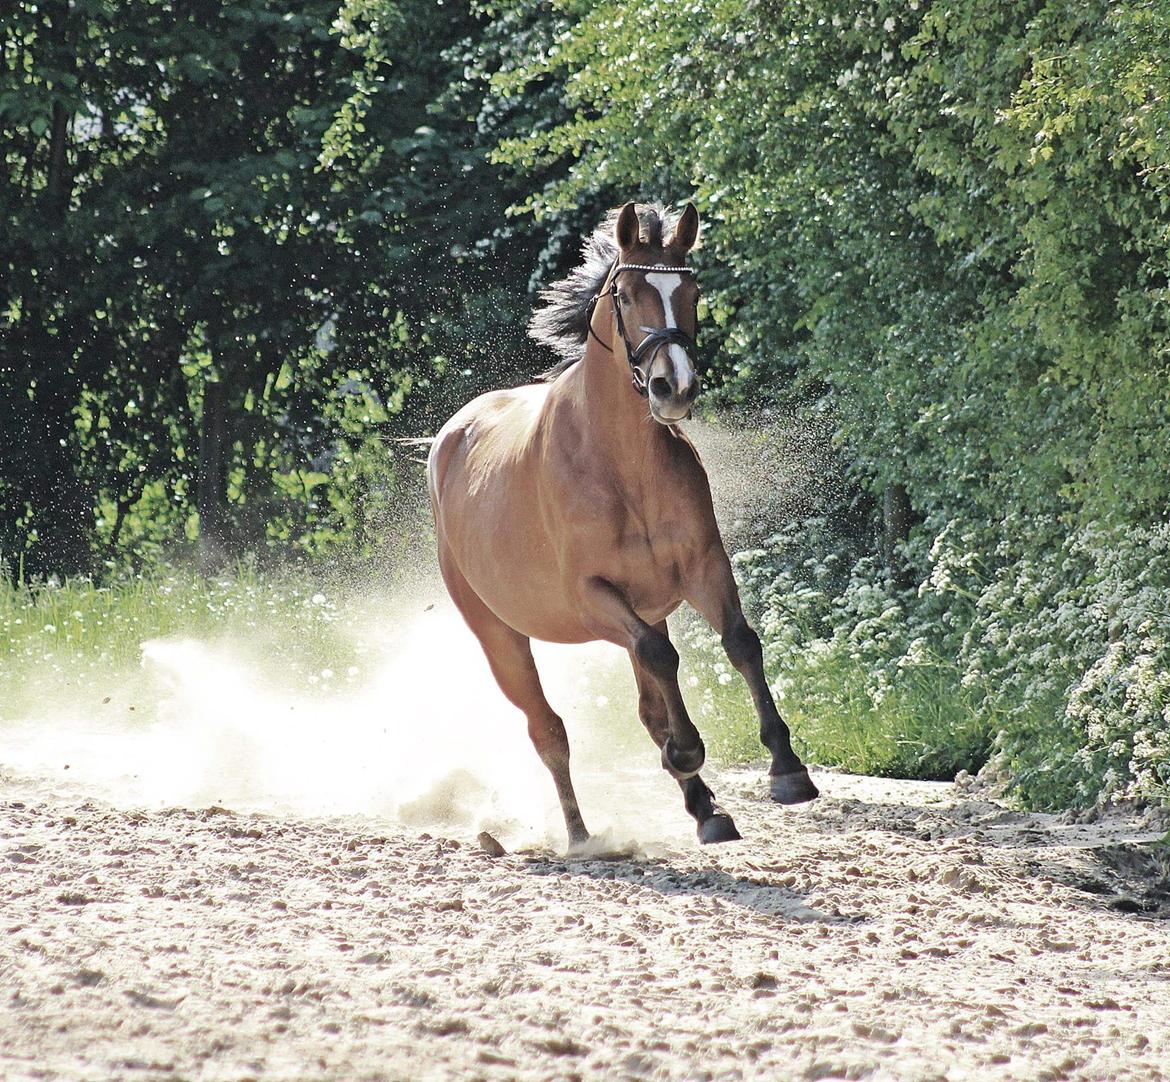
<point x="766" y="469"/>
<point x="426" y="739"/>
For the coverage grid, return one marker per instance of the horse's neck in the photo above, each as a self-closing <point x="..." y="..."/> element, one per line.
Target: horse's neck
<point x="617" y="419"/>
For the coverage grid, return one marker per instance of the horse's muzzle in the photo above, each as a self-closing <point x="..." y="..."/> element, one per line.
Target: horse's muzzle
<point x="668" y="403"/>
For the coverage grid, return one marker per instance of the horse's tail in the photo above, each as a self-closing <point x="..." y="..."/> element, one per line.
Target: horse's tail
<point x="415" y="443"/>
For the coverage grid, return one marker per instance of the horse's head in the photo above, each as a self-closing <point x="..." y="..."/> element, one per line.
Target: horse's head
<point x="655" y="298"/>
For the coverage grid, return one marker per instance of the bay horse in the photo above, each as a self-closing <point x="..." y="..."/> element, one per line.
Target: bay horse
<point x="574" y="509"/>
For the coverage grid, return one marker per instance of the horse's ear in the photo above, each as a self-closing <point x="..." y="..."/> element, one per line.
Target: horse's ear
<point x="627" y="228"/>
<point x="686" y="232"/>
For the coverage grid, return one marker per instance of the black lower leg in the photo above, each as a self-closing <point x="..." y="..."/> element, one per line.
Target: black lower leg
<point x="790" y="783"/>
<point x="700" y="801"/>
<point x="774" y="735"/>
<point x="744" y="651"/>
<point x="714" y="824"/>
<point x="682" y="750"/>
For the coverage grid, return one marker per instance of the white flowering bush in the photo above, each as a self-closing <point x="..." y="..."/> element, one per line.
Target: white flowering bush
<point x="1072" y="649"/>
<point x="1046" y="651"/>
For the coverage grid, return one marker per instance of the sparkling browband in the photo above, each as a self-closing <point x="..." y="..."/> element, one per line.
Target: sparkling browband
<point x="660" y="268"/>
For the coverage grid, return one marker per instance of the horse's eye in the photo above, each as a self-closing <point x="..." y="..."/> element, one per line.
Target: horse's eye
<point x="624" y="298"/>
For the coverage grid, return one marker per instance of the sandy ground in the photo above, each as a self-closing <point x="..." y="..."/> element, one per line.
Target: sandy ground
<point x="891" y="930"/>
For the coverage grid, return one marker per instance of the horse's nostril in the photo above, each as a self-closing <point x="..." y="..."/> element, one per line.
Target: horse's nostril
<point x="692" y="391"/>
<point x="660" y="387"/>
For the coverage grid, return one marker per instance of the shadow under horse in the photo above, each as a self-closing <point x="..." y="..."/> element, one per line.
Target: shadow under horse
<point x="574" y="509"/>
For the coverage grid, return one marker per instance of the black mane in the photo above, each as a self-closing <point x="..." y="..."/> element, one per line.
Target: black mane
<point x="563" y="320"/>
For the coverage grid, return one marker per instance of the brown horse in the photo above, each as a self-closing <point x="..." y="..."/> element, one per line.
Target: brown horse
<point x="574" y="509"/>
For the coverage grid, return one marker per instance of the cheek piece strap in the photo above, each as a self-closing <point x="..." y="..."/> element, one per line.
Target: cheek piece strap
<point x="655" y="338"/>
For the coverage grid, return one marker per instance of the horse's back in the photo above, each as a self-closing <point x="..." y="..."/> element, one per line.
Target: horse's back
<point x="496" y="428"/>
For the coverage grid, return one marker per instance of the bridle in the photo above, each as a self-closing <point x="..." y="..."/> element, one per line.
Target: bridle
<point x="656" y="337"/>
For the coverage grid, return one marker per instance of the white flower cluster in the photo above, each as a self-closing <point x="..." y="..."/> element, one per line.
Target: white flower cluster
<point x="1060" y="663"/>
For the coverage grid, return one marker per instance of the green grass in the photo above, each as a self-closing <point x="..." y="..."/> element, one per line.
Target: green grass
<point x="84" y="639"/>
<point x="924" y="725"/>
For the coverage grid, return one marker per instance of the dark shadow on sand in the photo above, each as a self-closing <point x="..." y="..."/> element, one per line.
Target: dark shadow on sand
<point x="1127" y="876"/>
<point x="661" y="876"/>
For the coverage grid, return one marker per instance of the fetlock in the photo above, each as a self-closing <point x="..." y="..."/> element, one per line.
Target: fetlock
<point x="683" y="764"/>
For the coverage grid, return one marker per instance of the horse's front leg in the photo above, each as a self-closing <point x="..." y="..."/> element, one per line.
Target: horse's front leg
<point x="609" y="615"/>
<point x="712" y="591"/>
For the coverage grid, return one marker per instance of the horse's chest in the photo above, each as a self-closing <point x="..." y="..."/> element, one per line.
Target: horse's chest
<point x="653" y="548"/>
<point x="640" y="546"/>
<point x="649" y="563"/>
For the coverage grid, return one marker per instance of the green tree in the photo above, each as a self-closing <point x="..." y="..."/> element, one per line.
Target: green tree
<point x="239" y="239"/>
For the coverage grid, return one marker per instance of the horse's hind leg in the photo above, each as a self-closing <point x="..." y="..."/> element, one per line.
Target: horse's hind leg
<point x="510" y="656"/>
<point x="714" y="824"/>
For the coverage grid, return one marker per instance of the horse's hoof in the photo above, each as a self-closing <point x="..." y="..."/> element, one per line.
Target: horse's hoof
<point x="682" y="764"/>
<point x="718" y="828"/>
<point x="793" y="788"/>
<point x="578" y="842"/>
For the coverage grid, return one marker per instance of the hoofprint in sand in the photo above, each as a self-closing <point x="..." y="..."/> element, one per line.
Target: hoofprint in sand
<point x="892" y="930"/>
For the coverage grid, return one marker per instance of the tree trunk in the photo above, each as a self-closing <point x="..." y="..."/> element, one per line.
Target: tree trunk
<point x="895" y="531"/>
<point x="62" y="503"/>
<point x="211" y="495"/>
<point x="59" y="175"/>
<point x="59" y="181"/>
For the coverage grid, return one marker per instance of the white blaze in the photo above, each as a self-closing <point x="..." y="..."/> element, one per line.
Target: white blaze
<point x="667" y="282"/>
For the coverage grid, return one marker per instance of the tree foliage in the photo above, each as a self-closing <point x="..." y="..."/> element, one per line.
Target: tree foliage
<point x="944" y="225"/>
<point x="281" y="199"/>
<point x="244" y="244"/>
<point x="952" y="216"/>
